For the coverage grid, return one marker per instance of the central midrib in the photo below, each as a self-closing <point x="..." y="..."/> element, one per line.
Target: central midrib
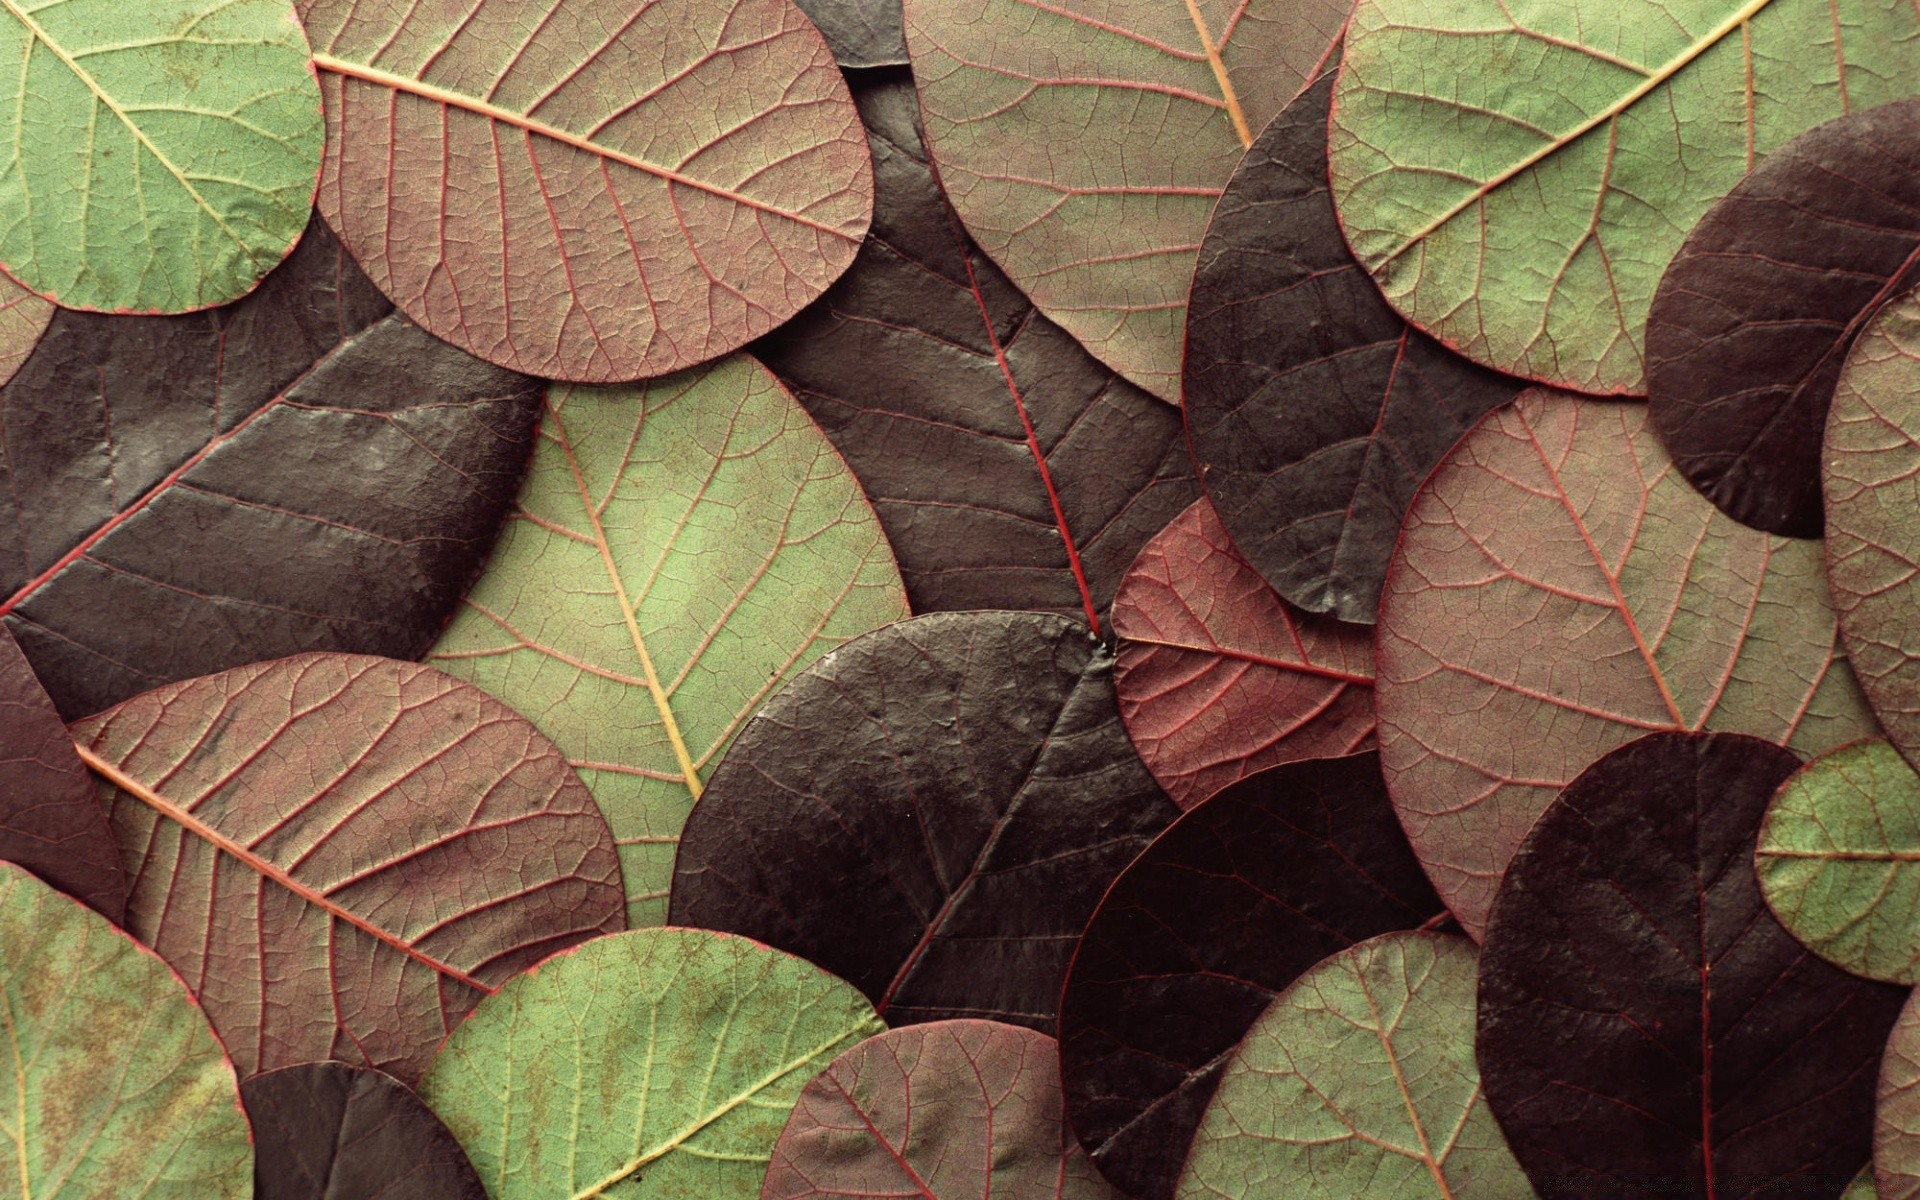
<point x="1220" y="75"/>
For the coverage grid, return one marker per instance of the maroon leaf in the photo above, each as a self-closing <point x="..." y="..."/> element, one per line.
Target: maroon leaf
<point x="341" y="855"/>
<point x="1647" y="1029"/>
<point x="931" y="812"/>
<point x="328" y="1131"/>
<point x="300" y="470"/>
<point x="1219" y="677"/>
<point x="1009" y="467"/>
<point x="51" y="821"/>
<point x="1315" y="410"/>
<point x="952" y="1110"/>
<point x="1755" y="314"/>
<point x="1193" y="941"/>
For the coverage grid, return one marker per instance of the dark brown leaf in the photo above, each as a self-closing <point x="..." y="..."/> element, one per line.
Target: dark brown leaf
<point x="328" y="1131"/>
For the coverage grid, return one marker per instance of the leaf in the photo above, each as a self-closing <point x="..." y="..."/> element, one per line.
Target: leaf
<point x="1896" y="1130"/>
<point x="931" y="813"/>
<point x="302" y="470"/>
<point x="861" y="33"/>
<point x="1219" y="677"/>
<point x="1559" y="591"/>
<point x="51" y="821"/>
<point x="1084" y="144"/>
<point x="327" y="1130"/>
<point x="23" y="318"/>
<point x="1872" y="508"/>
<point x="860" y="1128"/>
<point x="1517" y="180"/>
<point x="668" y="1058"/>
<point x="161" y="157"/>
<point x="1010" y="468"/>
<point x="1315" y="410"/>
<point x="613" y="191"/>
<point x="1756" y="313"/>
<point x="1647" y="1029"/>
<point x="679" y="550"/>
<point x="1218" y="916"/>
<point x="1839" y="860"/>
<point x="1359" y="1080"/>
<point x="342" y="855"/>
<point x="1862" y="1187"/>
<point x="118" y="1087"/>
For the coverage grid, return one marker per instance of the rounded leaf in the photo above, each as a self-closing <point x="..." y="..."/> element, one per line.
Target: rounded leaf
<point x="671" y="1056"/>
<point x="614" y="191"/>
<point x="1896" y="1126"/>
<point x="328" y="1131"/>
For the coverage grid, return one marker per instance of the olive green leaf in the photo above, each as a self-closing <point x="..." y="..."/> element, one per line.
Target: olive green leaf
<point x="1359" y="1080"/>
<point x="1862" y="1187"/>
<point x="157" y="156"/>
<point x="1517" y="176"/>
<point x="1839" y="860"/>
<point x="115" y="1084"/>
<point x="664" y="1057"/>
<point x="679" y="550"/>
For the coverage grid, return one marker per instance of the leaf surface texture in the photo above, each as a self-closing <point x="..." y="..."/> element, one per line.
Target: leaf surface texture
<point x="328" y="1131"/>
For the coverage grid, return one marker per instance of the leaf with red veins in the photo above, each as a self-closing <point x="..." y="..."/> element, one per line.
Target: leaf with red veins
<point x="1219" y="677"/>
<point x="949" y="1110"/>
<point x="1896" y="1127"/>
<point x="1560" y="590"/>
<point x="604" y="191"/>
<point x="1010" y="468"/>
<point x="341" y="854"/>
<point x="23" y="318"/>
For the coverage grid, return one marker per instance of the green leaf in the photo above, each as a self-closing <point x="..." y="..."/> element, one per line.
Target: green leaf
<point x="1359" y="1080"/>
<point x="1517" y="176"/>
<point x="161" y="156"/>
<point x="666" y="1057"/>
<point x="679" y="550"/>
<point x="1862" y="1187"/>
<point x="115" y="1084"/>
<point x="1839" y="860"/>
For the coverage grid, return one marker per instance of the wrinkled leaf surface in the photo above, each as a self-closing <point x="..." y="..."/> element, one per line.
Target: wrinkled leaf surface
<point x="328" y="1131"/>
<point x="861" y="33"/>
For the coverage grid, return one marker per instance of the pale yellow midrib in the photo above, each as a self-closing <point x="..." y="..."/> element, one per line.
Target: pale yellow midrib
<point x="1220" y="74"/>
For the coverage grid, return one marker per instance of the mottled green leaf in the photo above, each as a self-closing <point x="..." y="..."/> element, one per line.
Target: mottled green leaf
<point x="1839" y="860"/>
<point x="157" y="156"/>
<point x="679" y="550"/>
<point x="116" y="1086"/>
<point x="1517" y="174"/>
<point x="1359" y="1080"/>
<point x="660" y="1064"/>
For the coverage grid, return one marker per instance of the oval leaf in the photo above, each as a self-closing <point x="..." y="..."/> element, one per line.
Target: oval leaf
<point x="612" y="192"/>
<point x="1219" y="915"/>
<point x="1646" y="1027"/>
<point x="302" y="470"/>
<point x="23" y="318"/>
<point x="202" y="132"/>
<point x="860" y="1130"/>
<point x="1084" y="144"/>
<point x="342" y="855"/>
<point x="1518" y="181"/>
<point x="1839" y="860"/>
<point x="1896" y="1127"/>
<point x="671" y="1056"/>
<point x="327" y="1130"/>
<point x="1359" y="1081"/>
<point x="930" y="813"/>
<point x="1219" y="677"/>
<point x="1315" y="410"/>
<point x="1756" y="313"/>
<point x="861" y="33"/>
<point x="118" y="1087"/>
<point x="678" y="552"/>
<point x="1558" y="580"/>
<point x="1010" y="468"/>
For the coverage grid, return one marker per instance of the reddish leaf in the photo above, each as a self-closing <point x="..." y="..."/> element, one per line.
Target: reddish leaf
<point x="1755" y="314"/>
<point x="1558" y="591"/>
<point x="342" y="855"/>
<point x="51" y="821"/>
<point x="328" y="1131"/>
<point x="1219" y="677"/>
<point x="1896" y="1132"/>
<point x="609" y="191"/>
<point x="1193" y="941"/>
<point x="931" y="812"/>
<point x="952" y="1110"/>
<point x="1010" y="468"/>
<point x="1647" y="1029"/>
<point x="1315" y="410"/>
<point x="302" y="469"/>
<point x="23" y="318"/>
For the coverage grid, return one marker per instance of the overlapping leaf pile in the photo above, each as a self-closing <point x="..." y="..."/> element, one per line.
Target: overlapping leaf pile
<point x="1068" y="600"/>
